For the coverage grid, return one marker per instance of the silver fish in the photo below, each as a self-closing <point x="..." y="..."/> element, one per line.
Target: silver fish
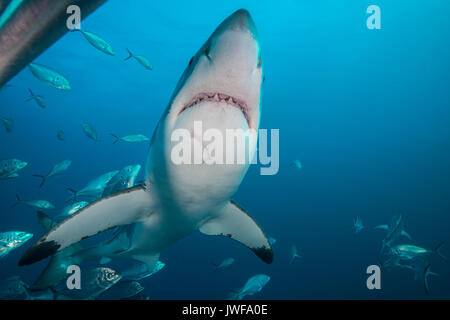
<point x="253" y="285"/>
<point x="358" y="224"/>
<point x="97" y="42"/>
<point x="89" y="131"/>
<point x="225" y="263"/>
<point x="94" y="189"/>
<point x="10" y="167"/>
<point x="72" y="208"/>
<point x="131" y="138"/>
<point x="12" y="240"/>
<point x="37" y="98"/>
<point x="8" y="124"/>
<point x="57" y="169"/>
<point x="124" y="179"/>
<point x="294" y="254"/>
<point x="35" y="204"/>
<point x="60" y="135"/>
<point x="141" y="59"/>
<point x="49" y="76"/>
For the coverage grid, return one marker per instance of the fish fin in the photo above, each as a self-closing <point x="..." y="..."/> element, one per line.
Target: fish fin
<point x="150" y="260"/>
<point x="121" y="208"/>
<point x="130" y="55"/>
<point x="45" y="221"/>
<point x="437" y="250"/>
<point x="232" y="221"/>
<point x="406" y="234"/>
<point x="116" y="137"/>
<point x="74" y="195"/>
<point x="17" y="202"/>
<point x="382" y="227"/>
<point x="42" y="177"/>
<point x="425" y="279"/>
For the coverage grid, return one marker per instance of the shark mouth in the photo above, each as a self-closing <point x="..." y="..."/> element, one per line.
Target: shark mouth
<point x="219" y="97"/>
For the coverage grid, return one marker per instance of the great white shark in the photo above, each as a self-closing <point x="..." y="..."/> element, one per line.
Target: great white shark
<point x="221" y="87"/>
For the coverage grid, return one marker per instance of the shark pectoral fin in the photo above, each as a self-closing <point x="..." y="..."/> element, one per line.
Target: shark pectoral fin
<point x="121" y="208"/>
<point x="233" y="222"/>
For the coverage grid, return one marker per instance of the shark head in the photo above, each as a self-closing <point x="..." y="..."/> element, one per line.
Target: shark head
<point x="220" y="88"/>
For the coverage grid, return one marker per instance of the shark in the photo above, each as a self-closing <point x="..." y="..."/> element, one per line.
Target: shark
<point x="221" y="86"/>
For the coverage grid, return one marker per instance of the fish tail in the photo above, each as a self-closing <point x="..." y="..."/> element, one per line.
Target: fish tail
<point x="31" y="95"/>
<point x="130" y="55"/>
<point x="426" y="273"/>
<point x="42" y="177"/>
<point x="17" y="202"/>
<point x="438" y="252"/>
<point x="74" y="195"/>
<point x="116" y="137"/>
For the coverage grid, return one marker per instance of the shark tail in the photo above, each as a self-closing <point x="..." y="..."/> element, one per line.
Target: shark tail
<point x="130" y="55"/>
<point x="115" y="137"/>
<point x="42" y="177"/>
<point x="437" y="250"/>
<point x="19" y="201"/>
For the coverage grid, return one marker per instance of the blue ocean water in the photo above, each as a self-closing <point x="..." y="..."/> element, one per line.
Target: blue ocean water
<point x="365" y="111"/>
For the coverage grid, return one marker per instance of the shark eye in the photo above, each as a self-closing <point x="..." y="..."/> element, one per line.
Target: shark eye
<point x="190" y="61"/>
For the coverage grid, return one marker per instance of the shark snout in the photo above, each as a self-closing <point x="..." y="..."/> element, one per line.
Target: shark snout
<point x="241" y="20"/>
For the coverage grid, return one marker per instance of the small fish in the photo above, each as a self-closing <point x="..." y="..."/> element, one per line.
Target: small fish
<point x="358" y="224"/>
<point x="37" y="98"/>
<point x="37" y="205"/>
<point x="8" y="124"/>
<point x="12" y="240"/>
<point x="49" y="76"/>
<point x="272" y="240"/>
<point x="253" y="285"/>
<point x="93" y="283"/>
<point x="94" y="189"/>
<point x="60" y="135"/>
<point x="122" y="290"/>
<point x="386" y="227"/>
<point x="139" y="271"/>
<point x="10" y="167"/>
<point x="124" y="179"/>
<point x="72" y="208"/>
<point x="89" y="131"/>
<point x="294" y="254"/>
<point x="131" y="138"/>
<point x="57" y="169"/>
<point x="297" y="164"/>
<point x="225" y="263"/>
<point x="97" y="42"/>
<point x="141" y="59"/>
<point x="12" y="288"/>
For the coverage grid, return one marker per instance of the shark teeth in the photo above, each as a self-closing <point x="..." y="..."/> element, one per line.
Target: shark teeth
<point x="218" y="97"/>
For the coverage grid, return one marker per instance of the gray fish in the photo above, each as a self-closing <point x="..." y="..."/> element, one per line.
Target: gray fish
<point x="12" y="240"/>
<point x="35" y="204"/>
<point x="94" y="189"/>
<point x="7" y="123"/>
<point x="12" y="288"/>
<point x="89" y="131"/>
<point x="97" y="42"/>
<point x="294" y="254"/>
<point x="225" y="263"/>
<point x="10" y="167"/>
<point x="60" y="135"/>
<point x="253" y="285"/>
<point x="72" y="208"/>
<point x="122" y="290"/>
<point x="272" y="240"/>
<point x="93" y="283"/>
<point x="54" y="171"/>
<point x="37" y="98"/>
<point x="139" y="271"/>
<point x="124" y="179"/>
<point x="49" y="76"/>
<point x="141" y="59"/>
<point x="131" y="138"/>
<point x="358" y="224"/>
